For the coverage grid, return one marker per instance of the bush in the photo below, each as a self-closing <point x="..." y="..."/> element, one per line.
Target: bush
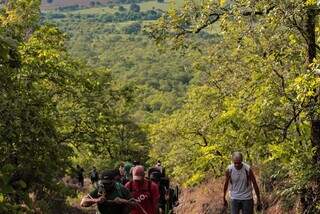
<point x="55" y="15"/>
<point x="135" y="8"/>
<point x="133" y="28"/>
<point x="121" y="8"/>
<point x="69" y="8"/>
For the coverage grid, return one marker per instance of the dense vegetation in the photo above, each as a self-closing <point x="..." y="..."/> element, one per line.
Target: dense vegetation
<point x="260" y="95"/>
<point x="53" y="107"/>
<point x="202" y="81"/>
<point x="160" y="79"/>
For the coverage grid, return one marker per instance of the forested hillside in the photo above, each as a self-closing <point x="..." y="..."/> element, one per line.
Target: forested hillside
<point x="55" y="111"/>
<point x="185" y="82"/>
<point x="117" y="39"/>
<point x="260" y="96"/>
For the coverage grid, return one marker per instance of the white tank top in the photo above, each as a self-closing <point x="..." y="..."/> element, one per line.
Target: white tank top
<point x="240" y="186"/>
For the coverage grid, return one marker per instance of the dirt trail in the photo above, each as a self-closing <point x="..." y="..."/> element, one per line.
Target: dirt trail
<point x="204" y="199"/>
<point x="75" y="203"/>
<point x="207" y="199"/>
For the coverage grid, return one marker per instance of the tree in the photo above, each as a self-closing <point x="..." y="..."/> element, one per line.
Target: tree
<point x="133" y="28"/>
<point x="121" y="8"/>
<point x="92" y="3"/>
<point x="34" y="72"/>
<point x="261" y="78"/>
<point x="51" y="107"/>
<point x="135" y="8"/>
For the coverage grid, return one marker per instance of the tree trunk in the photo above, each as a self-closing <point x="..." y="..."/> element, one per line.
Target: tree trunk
<point x="311" y="34"/>
<point x="312" y="51"/>
<point x="307" y="194"/>
<point x="315" y="139"/>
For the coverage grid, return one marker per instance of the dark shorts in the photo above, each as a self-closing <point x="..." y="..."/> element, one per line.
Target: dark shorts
<point x="245" y="205"/>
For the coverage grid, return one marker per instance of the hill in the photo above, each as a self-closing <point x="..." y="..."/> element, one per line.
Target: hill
<point x="82" y="4"/>
<point x="53" y="4"/>
<point x="116" y="39"/>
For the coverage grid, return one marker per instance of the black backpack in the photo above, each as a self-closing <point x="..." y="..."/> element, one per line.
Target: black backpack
<point x="94" y="175"/>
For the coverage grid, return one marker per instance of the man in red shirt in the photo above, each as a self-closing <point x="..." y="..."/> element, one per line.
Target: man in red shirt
<point x="145" y="192"/>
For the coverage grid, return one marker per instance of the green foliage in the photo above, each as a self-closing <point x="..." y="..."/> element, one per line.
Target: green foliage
<point x="263" y="92"/>
<point x="160" y="79"/>
<point x="251" y="89"/>
<point x="133" y="28"/>
<point x="122" y="16"/>
<point x="52" y="106"/>
<point x="135" y="8"/>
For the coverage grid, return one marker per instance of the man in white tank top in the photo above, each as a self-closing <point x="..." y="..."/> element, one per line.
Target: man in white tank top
<point x="241" y="179"/>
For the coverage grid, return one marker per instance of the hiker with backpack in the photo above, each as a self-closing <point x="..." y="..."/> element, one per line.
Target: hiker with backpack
<point x="122" y="173"/>
<point x="168" y="197"/>
<point x="127" y="168"/>
<point x="160" y="168"/>
<point x="110" y="196"/>
<point x="94" y="176"/>
<point x="79" y="174"/>
<point x="145" y="192"/>
<point x="164" y="190"/>
<point x="241" y="179"/>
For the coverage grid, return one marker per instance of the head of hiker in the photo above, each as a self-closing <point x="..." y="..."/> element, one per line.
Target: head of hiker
<point x="136" y="163"/>
<point x="155" y="176"/>
<point x="138" y="173"/>
<point x="237" y="160"/>
<point x="107" y="180"/>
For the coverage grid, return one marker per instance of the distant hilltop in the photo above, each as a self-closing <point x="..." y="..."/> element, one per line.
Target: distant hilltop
<point x="54" y="4"/>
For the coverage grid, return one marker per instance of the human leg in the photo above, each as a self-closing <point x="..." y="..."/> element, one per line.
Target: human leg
<point x="247" y="206"/>
<point x="235" y="206"/>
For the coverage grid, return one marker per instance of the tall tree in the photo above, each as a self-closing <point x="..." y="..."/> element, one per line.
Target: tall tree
<point x="264" y="70"/>
<point x="50" y="105"/>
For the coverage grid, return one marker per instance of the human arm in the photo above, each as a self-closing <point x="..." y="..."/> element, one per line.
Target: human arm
<point x="126" y="197"/>
<point x="225" y="188"/>
<point x="88" y="200"/>
<point x="129" y="202"/>
<point x="255" y="186"/>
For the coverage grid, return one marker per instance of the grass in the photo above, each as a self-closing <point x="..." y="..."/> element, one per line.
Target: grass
<point x="163" y="6"/>
<point x="94" y="10"/>
<point x="144" y="6"/>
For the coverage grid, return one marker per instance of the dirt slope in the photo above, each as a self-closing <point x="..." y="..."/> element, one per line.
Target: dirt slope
<point x="75" y="203"/>
<point x="204" y="199"/>
<point x="207" y="199"/>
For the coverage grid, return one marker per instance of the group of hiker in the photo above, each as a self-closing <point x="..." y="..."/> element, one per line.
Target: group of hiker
<point x="132" y="189"/>
<point x="94" y="175"/>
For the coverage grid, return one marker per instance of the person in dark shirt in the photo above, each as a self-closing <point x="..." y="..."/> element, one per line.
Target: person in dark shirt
<point x="80" y="177"/>
<point x="94" y="176"/>
<point x="110" y="196"/>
